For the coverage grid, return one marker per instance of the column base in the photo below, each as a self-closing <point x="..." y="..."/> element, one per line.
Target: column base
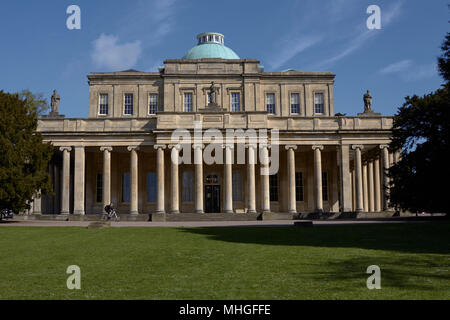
<point x="228" y="211"/>
<point x="66" y="213"/>
<point x="199" y="211"/>
<point x="160" y="212"/>
<point x="175" y="212"/>
<point x="292" y="212"/>
<point x="134" y="213"/>
<point x="79" y="213"/>
<point x="251" y="211"/>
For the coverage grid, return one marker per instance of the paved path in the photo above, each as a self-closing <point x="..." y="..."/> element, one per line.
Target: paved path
<point x="266" y="223"/>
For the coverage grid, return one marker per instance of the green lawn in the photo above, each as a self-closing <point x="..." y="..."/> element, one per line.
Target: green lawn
<point x="327" y="262"/>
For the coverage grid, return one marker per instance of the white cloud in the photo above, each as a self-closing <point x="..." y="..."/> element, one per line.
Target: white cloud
<point x="108" y="53"/>
<point x="407" y="70"/>
<point x="396" y="67"/>
<point x="291" y="49"/>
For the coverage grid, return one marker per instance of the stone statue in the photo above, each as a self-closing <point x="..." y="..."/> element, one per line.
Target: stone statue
<point x="212" y="94"/>
<point x="55" y="100"/>
<point x="367" y="102"/>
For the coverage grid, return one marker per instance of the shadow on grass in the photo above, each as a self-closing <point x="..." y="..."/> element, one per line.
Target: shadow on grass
<point x="407" y="238"/>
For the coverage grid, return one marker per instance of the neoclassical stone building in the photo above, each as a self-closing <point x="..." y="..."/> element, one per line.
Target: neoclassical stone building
<point x="122" y="153"/>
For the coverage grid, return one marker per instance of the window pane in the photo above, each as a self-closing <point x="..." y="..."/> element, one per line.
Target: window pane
<point x="99" y="197"/>
<point x="128" y="103"/>
<point x="236" y="102"/>
<point x="188" y="186"/>
<point x="103" y="104"/>
<point x="126" y="187"/>
<point x="295" y="103"/>
<point x="270" y="103"/>
<point x="273" y="186"/>
<point x="237" y="186"/>
<point x="318" y="103"/>
<point x="152" y="103"/>
<point x="151" y="187"/>
<point x="188" y="102"/>
<point x="299" y="186"/>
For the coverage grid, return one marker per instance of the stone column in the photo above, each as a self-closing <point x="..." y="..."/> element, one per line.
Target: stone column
<point x="65" y="192"/>
<point x="174" y="194"/>
<point x="265" y="186"/>
<point x="346" y="182"/>
<point x="228" y="205"/>
<point x="365" y="188"/>
<point x="160" y="178"/>
<point x="377" y="187"/>
<point x="359" y="200"/>
<point x="198" y="162"/>
<point x="292" y="202"/>
<point x="318" y="201"/>
<point x="385" y="168"/>
<point x="134" y="179"/>
<point x="391" y="159"/>
<point x="79" y="181"/>
<point x="370" y="188"/>
<point x="251" y="179"/>
<point x="397" y="156"/>
<point x="106" y="175"/>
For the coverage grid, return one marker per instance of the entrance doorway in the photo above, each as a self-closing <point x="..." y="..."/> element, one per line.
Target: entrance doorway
<point x="212" y="198"/>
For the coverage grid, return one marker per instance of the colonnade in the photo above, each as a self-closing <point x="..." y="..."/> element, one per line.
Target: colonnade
<point x="363" y="189"/>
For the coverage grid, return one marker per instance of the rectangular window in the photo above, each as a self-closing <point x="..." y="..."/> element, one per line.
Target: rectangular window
<point x="295" y="103"/>
<point x="128" y="103"/>
<point x="151" y="187"/>
<point x="103" y="108"/>
<point x="318" y="103"/>
<point x="324" y="186"/>
<point x="273" y="187"/>
<point x="152" y="103"/>
<point x="237" y="186"/>
<point x="299" y="186"/>
<point x="126" y="181"/>
<point x="270" y="103"/>
<point x="188" y="186"/>
<point x="188" y="102"/>
<point x="235" y="102"/>
<point x="99" y="196"/>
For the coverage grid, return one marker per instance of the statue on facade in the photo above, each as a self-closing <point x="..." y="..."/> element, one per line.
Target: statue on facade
<point x="367" y="102"/>
<point x="55" y="100"/>
<point x="212" y="94"/>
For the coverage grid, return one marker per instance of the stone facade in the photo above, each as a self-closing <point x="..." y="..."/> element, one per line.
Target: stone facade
<point x="95" y="155"/>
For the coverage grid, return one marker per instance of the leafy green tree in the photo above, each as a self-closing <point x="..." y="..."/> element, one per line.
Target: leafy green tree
<point x="422" y="133"/>
<point x="24" y="157"/>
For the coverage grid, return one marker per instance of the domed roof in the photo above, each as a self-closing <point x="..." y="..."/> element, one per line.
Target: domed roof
<point x="210" y="45"/>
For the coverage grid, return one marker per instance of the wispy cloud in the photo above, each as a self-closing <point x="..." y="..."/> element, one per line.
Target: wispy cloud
<point x="407" y="70"/>
<point x="108" y="53"/>
<point x="396" y="67"/>
<point x="291" y="48"/>
<point x="362" y="35"/>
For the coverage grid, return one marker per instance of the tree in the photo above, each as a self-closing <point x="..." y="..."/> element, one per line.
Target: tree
<point x="422" y="133"/>
<point x="24" y="157"/>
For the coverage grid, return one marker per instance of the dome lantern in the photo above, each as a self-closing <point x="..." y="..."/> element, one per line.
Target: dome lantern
<point x="210" y="45"/>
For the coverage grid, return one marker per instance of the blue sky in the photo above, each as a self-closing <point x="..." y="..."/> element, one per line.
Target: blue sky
<point x="39" y="53"/>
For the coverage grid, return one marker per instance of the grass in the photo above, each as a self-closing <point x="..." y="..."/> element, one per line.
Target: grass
<point x="327" y="262"/>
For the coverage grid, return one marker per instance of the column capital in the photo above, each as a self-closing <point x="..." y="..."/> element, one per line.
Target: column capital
<point x="198" y="145"/>
<point x="131" y="148"/>
<point x="383" y="146"/>
<point x="291" y="146"/>
<point x="317" y="146"/>
<point x="229" y="146"/>
<point x="175" y="146"/>
<point x="159" y="146"/>
<point x="65" y="149"/>
<point x="109" y="149"/>
<point x="253" y="146"/>
<point x="357" y="146"/>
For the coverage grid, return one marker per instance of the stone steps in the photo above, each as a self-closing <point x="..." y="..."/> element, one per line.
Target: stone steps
<point x="212" y="217"/>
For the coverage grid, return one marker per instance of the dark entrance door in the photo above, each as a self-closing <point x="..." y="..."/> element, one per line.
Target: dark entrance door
<point x="212" y="199"/>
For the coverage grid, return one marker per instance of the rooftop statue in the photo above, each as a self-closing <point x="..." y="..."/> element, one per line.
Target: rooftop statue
<point x="367" y="102"/>
<point x="55" y="100"/>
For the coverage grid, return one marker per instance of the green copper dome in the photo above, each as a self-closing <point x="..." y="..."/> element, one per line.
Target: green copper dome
<point x="210" y="45"/>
